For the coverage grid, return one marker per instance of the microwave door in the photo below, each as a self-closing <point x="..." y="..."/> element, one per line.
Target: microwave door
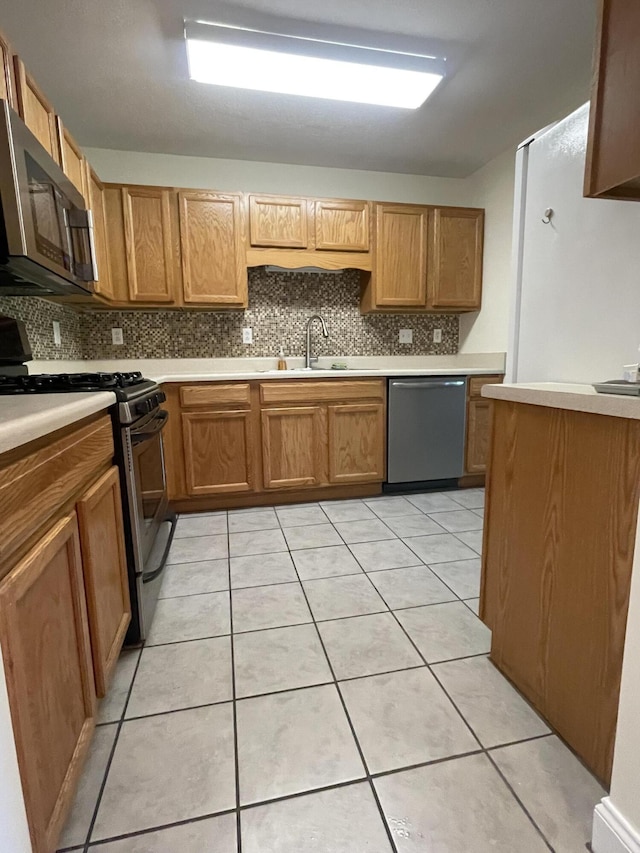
<point x="81" y="239"/>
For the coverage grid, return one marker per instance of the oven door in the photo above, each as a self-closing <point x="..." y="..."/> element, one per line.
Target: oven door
<point x="149" y="484"/>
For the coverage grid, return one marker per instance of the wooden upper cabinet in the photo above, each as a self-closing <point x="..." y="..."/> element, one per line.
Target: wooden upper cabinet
<point x="35" y="110"/>
<point x="71" y="158"/>
<point x="217" y="452"/>
<point x="149" y="243"/>
<point x="7" y="87"/>
<point x="613" y="153"/>
<point x="342" y="226"/>
<point x="400" y="267"/>
<point x="47" y="661"/>
<point x="456" y="264"/>
<point x="104" y="564"/>
<point x="293" y="447"/>
<point x="356" y="443"/>
<point x="211" y="236"/>
<point x="278" y="221"/>
<point x="96" y="201"/>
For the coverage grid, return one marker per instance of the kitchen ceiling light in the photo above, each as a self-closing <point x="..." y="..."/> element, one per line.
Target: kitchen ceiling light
<point x="291" y="65"/>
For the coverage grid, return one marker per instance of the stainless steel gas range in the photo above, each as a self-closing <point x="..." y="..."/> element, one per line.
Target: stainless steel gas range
<point x="138" y="421"/>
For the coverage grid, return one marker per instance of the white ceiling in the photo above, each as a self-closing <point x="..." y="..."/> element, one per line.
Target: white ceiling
<point x="116" y="72"/>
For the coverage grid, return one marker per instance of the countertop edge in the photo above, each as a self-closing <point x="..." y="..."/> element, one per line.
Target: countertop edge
<point x="46" y="413"/>
<point x="572" y="397"/>
<point x="232" y="376"/>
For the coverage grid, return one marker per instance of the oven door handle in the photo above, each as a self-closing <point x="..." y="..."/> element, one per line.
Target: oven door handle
<point x="151" y="576"/>
<point x="158" y="424"/>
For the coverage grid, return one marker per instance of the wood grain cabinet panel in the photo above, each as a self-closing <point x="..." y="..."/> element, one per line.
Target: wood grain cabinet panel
<point x="47" y="660"/>
<point x="218" y="452"/>
<point x="562" y="505"/>
<point x="456" y="264"/>
<point x="104" y="565"/>
<point x="293" y="447"/>
<point x="211" y="234"/>
<point x="104" y="286"/>
<point x="7" y="86"/>
<point x="613" y="154"/>
<point x="400" y="265"/>
<point x="149" y="244"/>
<point x="71" y="158"/>
<point x="279" y="221"/>
<point x="478" y="435"/>
<point x="356" y="443"/>
<point x="235" y="394"/>
<point x="35" y="110"/>
<point x="342" y="226"/>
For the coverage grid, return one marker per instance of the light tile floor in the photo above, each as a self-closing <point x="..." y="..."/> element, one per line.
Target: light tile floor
<point x="317" y="678"/>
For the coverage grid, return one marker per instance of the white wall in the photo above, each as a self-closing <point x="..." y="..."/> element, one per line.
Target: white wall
<point x="248" y="176"/>
<point x="492" y="188"/>
<point x="14" y="832"/>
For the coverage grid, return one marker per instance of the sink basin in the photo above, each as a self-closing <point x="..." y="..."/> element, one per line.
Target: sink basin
<point x="312" y="370"/>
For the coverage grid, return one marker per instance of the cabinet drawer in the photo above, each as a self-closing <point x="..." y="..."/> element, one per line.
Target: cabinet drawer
<point x="302" y="392"/>
<point x="477" y="383"/>
<point x="215" y="395"/>
<point x="34" y="487"/>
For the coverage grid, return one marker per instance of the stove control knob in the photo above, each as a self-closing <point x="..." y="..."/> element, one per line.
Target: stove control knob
<point x="144" y="407"/>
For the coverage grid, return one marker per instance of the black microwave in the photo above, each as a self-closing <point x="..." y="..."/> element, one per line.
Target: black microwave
<point x="46" y="232"/>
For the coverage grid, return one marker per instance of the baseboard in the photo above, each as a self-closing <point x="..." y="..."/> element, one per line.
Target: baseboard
<point x="612" y="833"/>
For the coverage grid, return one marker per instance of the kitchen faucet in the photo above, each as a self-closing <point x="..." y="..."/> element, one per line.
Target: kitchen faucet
<point x="309" y="359"/>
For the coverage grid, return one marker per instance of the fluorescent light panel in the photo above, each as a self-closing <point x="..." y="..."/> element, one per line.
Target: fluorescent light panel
<point x="224" y="60"/>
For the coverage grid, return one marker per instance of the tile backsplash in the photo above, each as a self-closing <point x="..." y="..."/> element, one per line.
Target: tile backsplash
<point x="280" y="304"/>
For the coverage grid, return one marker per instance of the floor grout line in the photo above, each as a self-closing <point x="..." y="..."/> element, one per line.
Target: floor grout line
<point x="368" y="776"/>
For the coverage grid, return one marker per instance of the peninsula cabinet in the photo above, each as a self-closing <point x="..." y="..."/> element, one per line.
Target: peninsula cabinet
<point x="613" y="154"/>
<point x="425" y="259"/>
<point x="64" y="607"/>
<point x="252" y="443"/>
<point x="212" y="240"/>
<point x="560" y="521"/>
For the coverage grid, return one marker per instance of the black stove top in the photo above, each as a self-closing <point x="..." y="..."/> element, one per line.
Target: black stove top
<point x="44" y="383"/>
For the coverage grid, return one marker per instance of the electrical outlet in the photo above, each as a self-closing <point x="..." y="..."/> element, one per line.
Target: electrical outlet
<point x="57" y="337"/>
<point x="116" y="337"/>
<point x="247" y="336"/>
<point x="437" y="336"/>
<point x="405" y="336"/>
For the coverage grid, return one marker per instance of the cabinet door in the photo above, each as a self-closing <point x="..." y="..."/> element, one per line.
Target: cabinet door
<point x="71" y="158"/>
<point x="104" y="565"/>
<point x="478" y="435"/>
<point x="356" y="443"/>
<point x="276" y="221"/>
<point x="149" y="244"/>
<point x="400" y="268"/>
<point x="293" y="447"/>
<point x="342" y="226"/>
<point x="95" y="192"/>
<point x="217" y="452"/>
<point x="456" y="269"/>
<point x="612" y="167"/>
<point x="213" y="264"/>
<point x="35" y="110"/>
<point x="47" y="660"/>
<point x="7" y="87"/>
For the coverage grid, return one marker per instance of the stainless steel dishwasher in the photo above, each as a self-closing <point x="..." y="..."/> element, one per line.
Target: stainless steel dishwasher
<point x="426" y="428"/>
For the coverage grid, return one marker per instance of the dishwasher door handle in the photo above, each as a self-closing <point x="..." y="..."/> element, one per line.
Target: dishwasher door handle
<point x="428" y="386"/>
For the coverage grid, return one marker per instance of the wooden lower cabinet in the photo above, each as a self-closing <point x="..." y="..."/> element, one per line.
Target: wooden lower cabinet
<point x="217" y="452"/>
<point x="478" y="424"/>
<point x="104" y="566"/>
<point x="292" y="447"/>
<point x="560" y="521"/>
<point x="47" y="658"/>
<point x="356" y="443"/>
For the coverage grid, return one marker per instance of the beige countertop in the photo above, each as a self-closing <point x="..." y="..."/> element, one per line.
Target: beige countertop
<point x="561" y="395"/>
<point x="25" y="418"/>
